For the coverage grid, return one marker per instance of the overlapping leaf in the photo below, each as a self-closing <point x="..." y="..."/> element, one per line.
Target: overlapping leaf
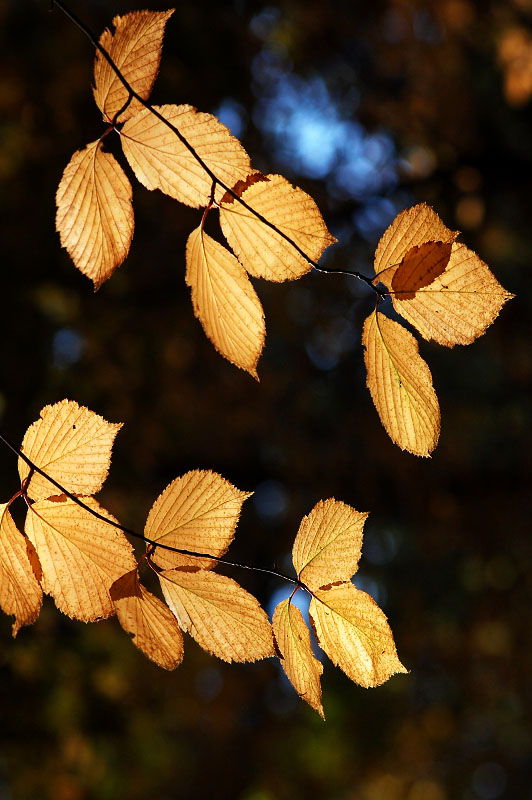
<point x="20" y="591"/>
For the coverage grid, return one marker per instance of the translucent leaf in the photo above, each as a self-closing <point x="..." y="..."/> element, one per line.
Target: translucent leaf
<point x="420" y="266"/>
<point x="161" y="161"/>
<point x="150" y="623"/>
<point x="355" y="634"/>
<point x="401" y="385"/>
<point x="198" y="512"/>
<point x="263" y="251"/>
<point x="293" y="641"/>
<point x="20" y="591"/>
<point x="81" y="556"/>
<point x="219" y="614"/>
<point x="327" y="546"/>
<point x="94" y="212"/>
<point x="135" y="47"/>
<point x="72" y="445"/>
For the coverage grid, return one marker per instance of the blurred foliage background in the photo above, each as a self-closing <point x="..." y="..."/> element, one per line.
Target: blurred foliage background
<point x="370" y="107"/>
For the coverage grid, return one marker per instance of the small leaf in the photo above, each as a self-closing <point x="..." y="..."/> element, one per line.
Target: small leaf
<point x="355" y="634"/>
<point x="224" y="301"/>
<point x="401" y="385"/>
<point x="420" y="266"/>
<point x="150" y="623"/>
<point x="263" y="251"/>
<point x="197" y="512"/>
<point x="81" y="556"/>
<point x="94" y="212"/>
<point x="161" y="161"/>
<point x="72" y="445"/>
<point x="302" y="669"/>
<point x="219" y="614"/>
<point x="20" y="591"/>
<point x="328" y="543"/>
<point x="135" y="47"/>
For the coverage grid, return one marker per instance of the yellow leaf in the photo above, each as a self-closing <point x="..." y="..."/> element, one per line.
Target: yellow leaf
<point x="302" y="669"/>
<point x="198" y="512"/>
<point x="264" y="252"/>
<point x="72" y="445"/>
<point x="135" y="47"/>
<point x="327" y="546"/>
<point x="81" y="556"/>
<point x="161" y="161"/>
<point x="20" y="591"/>
<point x="94" y="212"/>
<point x="150" y="623"/>
<point x="401" y="385"/>
<point x="224" y="301"/>
<point x="355" y="634"/>
<point x="219" y="614"/>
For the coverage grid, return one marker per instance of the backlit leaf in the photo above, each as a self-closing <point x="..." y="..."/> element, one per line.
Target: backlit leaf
<point x="355" y="634"/>
<point x="20" y="591"/>
<point x="161" y="161"/>
<point x="219" y="614"/>
<point x="135" y="47"/>
<point x="81" y="556"/>
<point x="401" y="385"/>
<point x="263" y="251"/>
<point x="150" y="623"/>
<point x="327" y="546"/>
<point x="197" y="512"/>
<point x="420" y="266"/>
<point x="72" y="445"/>
<point x="224" y="301"/>
<point x="302" y="669"/>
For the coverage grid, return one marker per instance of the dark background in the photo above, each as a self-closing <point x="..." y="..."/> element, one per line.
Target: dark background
<point x="370" y="107"/>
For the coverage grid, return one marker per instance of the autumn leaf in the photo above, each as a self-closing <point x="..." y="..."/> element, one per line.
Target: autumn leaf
<point x="160" y="160"/>
<point x="419" y="267"/>
<point x="354" y="632"/>
<point x="224" y="301"/>
<point x="20" y="591"/>
<point x="219" y="614"/>
<point x="327" y="546"/>
<point x="198" y="512"/>
<point x="263" y="251"/>
<point x="72" y="445"/>
<point x="81" y="556"/>
<point x="135" y="47"/>
<point x="302" y="669"/>
<point x="150" y="623"/>
<point x="401" y="385"/>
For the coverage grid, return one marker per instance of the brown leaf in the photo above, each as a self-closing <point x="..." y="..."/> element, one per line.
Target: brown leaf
<point x="94" y="212"/>
<point x="135" y="47"/>
<point x="401" y="385"/>
<point x="72" y="445"/>
<point x="302" y="669"/>
<point x="263" y="251"/>
<point x="328" y="543"/>
<point x="219" y="614"/>
<point x="419" y="267"/>
<point x="20" y="592"/>
<point x="150" y="623"/>
<point x="224" y="301"/>
<point x="355" y="634"/>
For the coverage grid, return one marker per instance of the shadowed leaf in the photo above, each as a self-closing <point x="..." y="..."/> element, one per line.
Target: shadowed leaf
<point x="420" y="266"/>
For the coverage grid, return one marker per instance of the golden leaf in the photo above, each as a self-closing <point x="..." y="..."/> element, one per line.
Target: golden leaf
<point x="20" y="591"/>
<point x="263" y="251"/>
<point x="420" y="266"/>
<point x="328" y="543"/>
<point x="150" y="623"/>
<point x="81" y="556"/>
<point x="161" y="161"/>
<point x="302" y="669"/>
<point x="94" y="212"/>
<point x="219" y="614"/>
<point x="401" y="385"/>
<point x="135" y="47"/>
<point x="355" y="634"/>
<point x="72" y="445"/>
<point x="197" y="512"/>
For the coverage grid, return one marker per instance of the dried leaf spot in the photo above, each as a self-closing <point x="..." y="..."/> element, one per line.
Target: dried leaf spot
<point x="419" y="267"/>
